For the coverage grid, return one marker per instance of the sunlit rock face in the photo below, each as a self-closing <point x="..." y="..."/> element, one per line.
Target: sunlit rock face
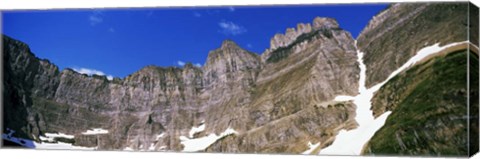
<point x="291" y="34"/>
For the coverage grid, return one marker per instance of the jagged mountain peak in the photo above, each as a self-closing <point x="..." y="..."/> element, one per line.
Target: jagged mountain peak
<point x="226" y="44"/>
<point x="152" y="71"/>
<point x="188" y="65"/>
<point x="291" y="34"/>
<point x="325" y="22"/>
<point x="229" y="58"/>
<point x="148" y="68"/>
<point x="229" y="48"/>
<point x="321" y="29"/>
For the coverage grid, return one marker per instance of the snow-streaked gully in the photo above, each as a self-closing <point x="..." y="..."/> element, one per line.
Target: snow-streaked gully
<point x="351" y="142"/>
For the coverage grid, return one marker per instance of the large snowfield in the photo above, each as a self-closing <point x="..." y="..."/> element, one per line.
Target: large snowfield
<point x="199" y="144"/>
<point x="44" y="145"/>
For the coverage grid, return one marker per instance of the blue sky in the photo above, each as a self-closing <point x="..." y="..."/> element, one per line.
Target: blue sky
<point x="119" y="42"/>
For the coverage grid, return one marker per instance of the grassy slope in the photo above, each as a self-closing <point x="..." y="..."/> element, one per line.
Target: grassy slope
<point x="429" y="118"/>
<point x="474" y="99"/>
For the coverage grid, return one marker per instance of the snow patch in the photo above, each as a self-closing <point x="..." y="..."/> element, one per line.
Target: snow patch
<point x="31" y="144"/>
<point x="162" y="148"/>
<point x="95" y="131"/>
<point x="51" y="136"/>
<point x="61" y="135"/>
<point x="352" y="142"/>
<point x="343" y="98"/>
<point x="196" y="130"/>
<point x="160" y="136"/>
<point x="127" y="149"/>
<point x="311" y="148"/>
<point x="61" y="146"/>
<point x="198" y="144"/>
<point x="152" y="147"/>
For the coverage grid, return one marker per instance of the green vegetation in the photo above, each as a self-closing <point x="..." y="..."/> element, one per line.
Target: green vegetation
<point x="429" y="110"/>
<point x="474" y="83"/>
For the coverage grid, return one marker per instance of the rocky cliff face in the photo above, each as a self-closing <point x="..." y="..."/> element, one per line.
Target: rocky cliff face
<point x="134" y="110"/>
<point x="297" y="84"/>
<point x="153" y="108"/>
<point x="230" y="75"/>
<point x="23" y="79"/>
<point x="396" y="34"/>
<point x="291" y="34"/>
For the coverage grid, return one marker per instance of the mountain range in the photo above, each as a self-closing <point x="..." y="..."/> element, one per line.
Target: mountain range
<point x="408" y="85"/>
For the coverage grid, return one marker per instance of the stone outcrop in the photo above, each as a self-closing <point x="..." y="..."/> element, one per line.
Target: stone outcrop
<point x="291" y="34"/>
<point x="297" y="84"/>
<point x="230" y="73"/>
<point x="290" y="134"/>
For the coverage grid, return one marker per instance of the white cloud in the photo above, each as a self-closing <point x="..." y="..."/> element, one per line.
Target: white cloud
<point x="196" y="14"/>
<point x="95" y="19"/>
<point x="92" y="72"/>
<point x="230" y="28"/>
<point x="180" y="63"/>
